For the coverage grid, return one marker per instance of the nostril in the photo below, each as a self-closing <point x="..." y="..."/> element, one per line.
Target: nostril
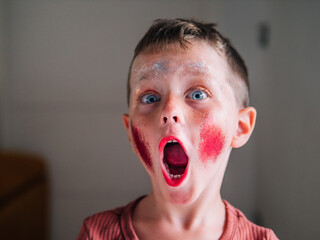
<point x="174" y="118"/>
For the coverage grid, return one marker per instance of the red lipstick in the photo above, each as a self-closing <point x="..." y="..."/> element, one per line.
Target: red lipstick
<point x="175" y="162"/>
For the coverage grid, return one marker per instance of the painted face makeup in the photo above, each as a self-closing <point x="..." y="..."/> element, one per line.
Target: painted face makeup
<point x="181" y="156"/>
<point x="157" y="70"/>
<point x="160" y="68"/>
<point x="211" y="142"/>
<point x="200" y="66"/>
<point x="142" y="147"/>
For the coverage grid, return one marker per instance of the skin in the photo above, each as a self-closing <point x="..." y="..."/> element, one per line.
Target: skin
<point x="208" y="129"/>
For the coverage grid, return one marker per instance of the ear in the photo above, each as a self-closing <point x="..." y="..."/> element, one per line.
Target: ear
<point x="246" y="122"/>
<point x="126" y="123"/>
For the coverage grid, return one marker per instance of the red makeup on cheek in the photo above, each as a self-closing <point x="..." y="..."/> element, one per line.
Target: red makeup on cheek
<point x="211" y="142"/>
<point x="142" y="147"/>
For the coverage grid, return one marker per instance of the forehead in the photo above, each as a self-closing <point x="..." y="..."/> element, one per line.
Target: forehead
<point x="197" y="59"/>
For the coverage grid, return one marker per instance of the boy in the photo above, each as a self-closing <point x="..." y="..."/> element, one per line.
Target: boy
<point x="188" y="95"/>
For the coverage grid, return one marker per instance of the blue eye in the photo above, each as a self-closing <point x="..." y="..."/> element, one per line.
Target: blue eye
<point x="197" y="95"/>
<point x="150" y="98"/>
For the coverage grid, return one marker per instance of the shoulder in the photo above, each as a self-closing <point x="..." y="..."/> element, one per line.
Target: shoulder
<point x="112" y="224"/>
<point x="103" y="225"/>
<point x="245" y="229"/>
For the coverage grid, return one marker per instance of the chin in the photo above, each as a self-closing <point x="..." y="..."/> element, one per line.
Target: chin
<point x="182" y="195"/>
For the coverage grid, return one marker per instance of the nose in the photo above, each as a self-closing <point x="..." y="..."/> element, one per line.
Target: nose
<point x="171" y="112"/>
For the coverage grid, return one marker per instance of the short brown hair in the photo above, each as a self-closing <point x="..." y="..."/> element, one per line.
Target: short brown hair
<point x="164" y="32"/>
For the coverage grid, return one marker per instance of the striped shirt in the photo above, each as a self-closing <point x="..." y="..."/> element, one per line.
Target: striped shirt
<point x="117" y="224"/>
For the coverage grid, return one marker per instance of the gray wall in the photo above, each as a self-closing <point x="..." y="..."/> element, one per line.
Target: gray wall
<point x="63" y="78"/>
<point x="4" y="66"/>
<point x="288" y="150"/>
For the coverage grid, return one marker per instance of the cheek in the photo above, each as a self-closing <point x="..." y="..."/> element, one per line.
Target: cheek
<point x="141" y="146"/>
<point x="212" y="142"/>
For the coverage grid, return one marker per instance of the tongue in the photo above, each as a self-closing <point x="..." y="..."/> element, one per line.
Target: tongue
<point x="175" y="155"/>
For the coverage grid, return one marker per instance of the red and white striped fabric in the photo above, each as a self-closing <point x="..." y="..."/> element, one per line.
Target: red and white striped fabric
<point x="117" y="224"/>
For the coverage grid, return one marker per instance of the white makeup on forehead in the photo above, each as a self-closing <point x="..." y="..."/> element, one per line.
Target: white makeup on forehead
<point x="156" y="70"/>
<point x="198" y="66"/>
<point x="161" y="67"/>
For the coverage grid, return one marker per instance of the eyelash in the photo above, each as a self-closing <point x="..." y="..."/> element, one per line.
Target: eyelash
<point x="141" y="97"/>
<point x="199" y="89"/>
<point x="205" y="91"/>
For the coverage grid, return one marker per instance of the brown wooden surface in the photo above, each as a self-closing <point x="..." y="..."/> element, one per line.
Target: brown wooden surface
<point x="23" y="196"/>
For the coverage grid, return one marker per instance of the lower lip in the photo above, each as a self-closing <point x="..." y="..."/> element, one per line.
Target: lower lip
<point x="171" y="182"/>
<point x="174" y="182"/>
<point x="212" y="142"/>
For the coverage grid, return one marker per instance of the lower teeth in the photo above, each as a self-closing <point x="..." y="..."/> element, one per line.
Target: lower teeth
<point x="173" y="176"/>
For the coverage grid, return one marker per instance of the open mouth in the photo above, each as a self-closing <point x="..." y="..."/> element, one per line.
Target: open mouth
<point x="175" y="161"/>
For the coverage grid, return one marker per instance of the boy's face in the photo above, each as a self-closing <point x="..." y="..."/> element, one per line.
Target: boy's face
<point x="184" y="96"/>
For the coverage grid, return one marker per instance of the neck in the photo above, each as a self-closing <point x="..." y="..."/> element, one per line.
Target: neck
<point x="207" y="211"/>
<point x="192" y="208"/>
<point x="202" y="212"/>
